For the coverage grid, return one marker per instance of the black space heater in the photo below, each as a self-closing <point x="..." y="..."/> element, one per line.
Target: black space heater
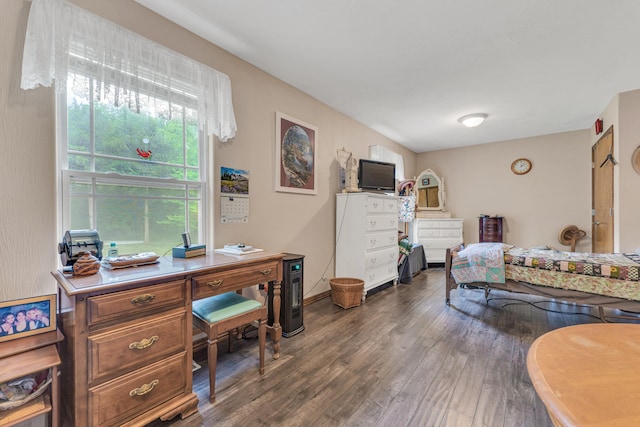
<point x="290" y="296"/>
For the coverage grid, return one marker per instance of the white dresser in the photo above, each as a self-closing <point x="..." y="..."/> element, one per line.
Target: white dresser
<point x="436" y="235"/>
<point x="367" y="238"/>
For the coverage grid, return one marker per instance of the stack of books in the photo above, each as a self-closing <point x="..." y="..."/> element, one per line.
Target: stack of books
<point x="189" y="251"/>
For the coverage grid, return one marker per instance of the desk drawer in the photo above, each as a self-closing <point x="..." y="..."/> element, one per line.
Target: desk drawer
<point x="134" y="303"/>
<point x="225" y="281"/>
<point x="125" y="349"/>
<point x="117" y="401"/>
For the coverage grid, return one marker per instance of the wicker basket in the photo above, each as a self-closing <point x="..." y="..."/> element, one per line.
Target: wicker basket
<point x="346" y="292"/>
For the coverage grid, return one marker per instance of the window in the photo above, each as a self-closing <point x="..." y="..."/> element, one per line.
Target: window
<point x="132" y="166"/>
<point x="380" y="153"/>
<point x="131" y="123"/>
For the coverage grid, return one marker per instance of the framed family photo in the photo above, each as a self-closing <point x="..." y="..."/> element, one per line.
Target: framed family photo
<point x="29" y="316"/>
<point x="296" y="155"/>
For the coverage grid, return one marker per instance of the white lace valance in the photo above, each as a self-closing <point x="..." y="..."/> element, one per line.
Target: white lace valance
<point x="63" y="38"/>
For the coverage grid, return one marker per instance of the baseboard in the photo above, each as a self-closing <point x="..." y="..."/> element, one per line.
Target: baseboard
<point x="316" y="298"/>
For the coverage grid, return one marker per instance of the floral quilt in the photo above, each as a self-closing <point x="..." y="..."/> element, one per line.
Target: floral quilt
<point x="621" y="266"/>
<point x="479" y="262"/>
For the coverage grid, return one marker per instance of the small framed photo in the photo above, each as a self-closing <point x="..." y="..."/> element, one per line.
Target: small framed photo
<point x="29" y="316"/>
<point x="296" y="155"/>
<point x="426" y="181"/>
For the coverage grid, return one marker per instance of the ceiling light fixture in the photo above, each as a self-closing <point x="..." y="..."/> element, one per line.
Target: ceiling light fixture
<point x="472" y="120"/>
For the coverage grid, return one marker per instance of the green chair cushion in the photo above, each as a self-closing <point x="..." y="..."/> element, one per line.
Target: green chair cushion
<point x="221" y="307"/>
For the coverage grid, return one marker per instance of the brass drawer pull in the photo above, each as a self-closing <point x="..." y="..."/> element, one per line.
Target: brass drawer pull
<point x="215" y="283"/>
<point x="146" y="388"/>
<point x="265" y="272"/>
<point x="147" y="342"/>
<point x="143" y="299"/>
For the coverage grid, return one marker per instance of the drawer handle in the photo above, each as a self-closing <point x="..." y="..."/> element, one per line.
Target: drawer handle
<point x="143" y="299"/>
<point x="147" y="342"/>
<point x="146" y="388"/>
<point x="215" y="283"/>
<point x="265" y="272"/>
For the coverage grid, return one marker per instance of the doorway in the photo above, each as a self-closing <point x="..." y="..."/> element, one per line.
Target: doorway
<point x="602" y="194"/>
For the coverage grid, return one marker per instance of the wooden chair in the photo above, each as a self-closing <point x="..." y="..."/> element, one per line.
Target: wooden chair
<point x="223" y="313"/>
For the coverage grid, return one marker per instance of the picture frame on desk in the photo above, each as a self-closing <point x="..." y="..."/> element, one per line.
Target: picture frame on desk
<point x="28" y="316"/>
<point x="296" y="155"/>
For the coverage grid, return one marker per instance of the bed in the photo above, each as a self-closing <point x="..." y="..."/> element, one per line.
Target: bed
<point x="599" y="280"/>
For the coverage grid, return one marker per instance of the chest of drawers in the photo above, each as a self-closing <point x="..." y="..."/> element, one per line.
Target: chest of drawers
<point x="128" y="349"/>
<point x="490" y="229"/>
<point x="436" y="235"/>
<point x="367" y="238"/>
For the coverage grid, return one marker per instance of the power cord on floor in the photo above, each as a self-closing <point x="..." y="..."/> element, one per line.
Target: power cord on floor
<point x="535" y="304"/>
<point x="323" y="278"/>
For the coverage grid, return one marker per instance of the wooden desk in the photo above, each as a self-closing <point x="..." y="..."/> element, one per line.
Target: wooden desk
<point x="587" y="375"/>
<point x="129" y="334"/>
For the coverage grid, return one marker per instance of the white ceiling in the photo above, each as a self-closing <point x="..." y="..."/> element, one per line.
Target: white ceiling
<point x="410" y="68"/>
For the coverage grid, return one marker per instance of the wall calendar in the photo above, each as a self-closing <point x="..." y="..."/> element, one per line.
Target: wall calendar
<point x="234" y="198"/>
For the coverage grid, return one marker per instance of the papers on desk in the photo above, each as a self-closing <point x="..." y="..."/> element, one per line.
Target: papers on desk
<point x="239" y="251"/>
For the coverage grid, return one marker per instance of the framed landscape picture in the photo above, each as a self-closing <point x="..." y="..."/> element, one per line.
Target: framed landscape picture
<point x="29" y="316"/>
<point x="296" y="155"/>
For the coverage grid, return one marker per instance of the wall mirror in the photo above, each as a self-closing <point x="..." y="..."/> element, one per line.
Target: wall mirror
<point x="430" y="191"/>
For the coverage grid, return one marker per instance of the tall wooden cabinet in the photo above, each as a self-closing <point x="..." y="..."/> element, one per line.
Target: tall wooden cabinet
<point x="367" y="238"/>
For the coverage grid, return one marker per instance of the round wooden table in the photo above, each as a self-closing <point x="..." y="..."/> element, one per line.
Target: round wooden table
<point x="588" y="375"/>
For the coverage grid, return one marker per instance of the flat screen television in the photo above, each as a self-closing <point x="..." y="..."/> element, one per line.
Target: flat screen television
<point x="377" y="176"/>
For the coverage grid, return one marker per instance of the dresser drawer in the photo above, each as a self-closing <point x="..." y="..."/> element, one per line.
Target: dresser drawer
<point x="117" y="401"/>
<point x="391" y="206"/>
<point x="381" y="258"/>
<point x="131" y="347"/>
<point x="451" y="232"/>
<point x="442" y="223"/>
<point x="381" y="240"/>
<point x="380" y="275"/>
<point x="375" y="204"/>
<point x="382" y="222"/>
<point x="135" y="303"/>
<point x="212" y="284"/>
<point x="440" y="243"/>
<point x="428" y="232"/>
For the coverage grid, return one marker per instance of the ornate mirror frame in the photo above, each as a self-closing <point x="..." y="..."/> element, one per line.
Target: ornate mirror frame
<point x="429" y="188"/>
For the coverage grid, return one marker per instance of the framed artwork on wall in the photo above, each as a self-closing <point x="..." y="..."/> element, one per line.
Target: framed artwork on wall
<point x="29" y="316"/>
<point x="296" y="155"/>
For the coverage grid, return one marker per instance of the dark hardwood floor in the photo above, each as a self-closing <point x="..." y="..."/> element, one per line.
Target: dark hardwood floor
<point x="402" y="358"/>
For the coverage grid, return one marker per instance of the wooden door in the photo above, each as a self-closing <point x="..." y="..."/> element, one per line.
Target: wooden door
<point x="602" y="194"/>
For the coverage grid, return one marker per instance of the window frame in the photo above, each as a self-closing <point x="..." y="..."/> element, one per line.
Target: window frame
<point x="64" y="176"/>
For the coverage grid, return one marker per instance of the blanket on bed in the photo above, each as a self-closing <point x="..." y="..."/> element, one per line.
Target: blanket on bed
<point x="479" y="262"/>
<point x="621" y="266"/>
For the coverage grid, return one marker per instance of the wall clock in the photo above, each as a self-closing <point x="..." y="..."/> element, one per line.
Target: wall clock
<point x="521" y="166"/>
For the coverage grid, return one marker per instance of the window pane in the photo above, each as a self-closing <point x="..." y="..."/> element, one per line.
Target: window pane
<point x="116" y="135"/>
<point x="139" y="218"/>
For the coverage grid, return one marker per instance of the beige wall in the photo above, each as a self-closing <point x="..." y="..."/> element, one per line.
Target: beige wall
<point x="556" y="193"/>
<point x="284" y="222"/>
<point x="27" y="155"/>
